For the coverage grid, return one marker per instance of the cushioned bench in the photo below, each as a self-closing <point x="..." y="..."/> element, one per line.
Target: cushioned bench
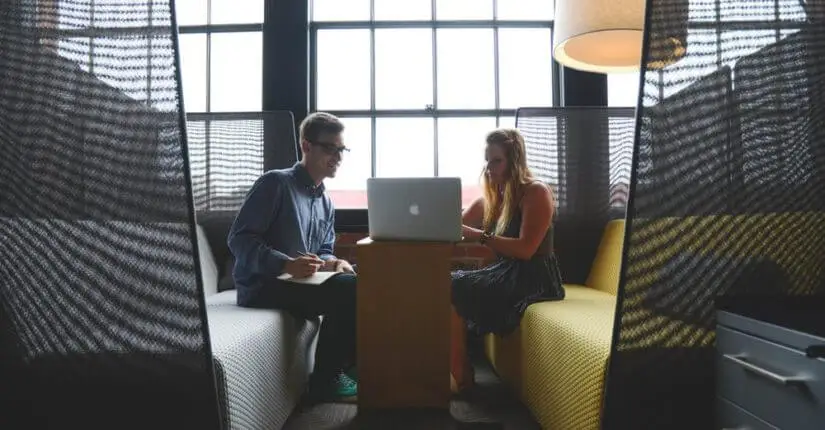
<point x="557" y="358"/>
<point x="262" y="357"/>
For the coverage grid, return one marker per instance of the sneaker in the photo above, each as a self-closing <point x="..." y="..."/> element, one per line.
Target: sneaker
<point x="353" y="373"/>
<point x="331" y="390"/>
<point x="345" y="386"/>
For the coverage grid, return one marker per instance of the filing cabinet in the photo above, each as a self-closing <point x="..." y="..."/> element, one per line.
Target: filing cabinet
<point x="769" y="375"/>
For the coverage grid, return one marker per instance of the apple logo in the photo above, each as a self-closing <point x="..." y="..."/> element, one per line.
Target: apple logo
<point x="414" y="209"/>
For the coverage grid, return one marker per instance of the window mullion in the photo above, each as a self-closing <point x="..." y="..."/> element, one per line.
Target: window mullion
<point x="373" y="120"/>
<point x="208" y="57"/>
<point x="435" y="89"/>
<point x="497" y="96"/>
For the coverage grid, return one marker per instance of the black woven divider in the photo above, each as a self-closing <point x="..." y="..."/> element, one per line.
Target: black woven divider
<point x="585" y="153"/>
<point x="726" y="201"/>
<point x="229" y="151"/>
<point x="102" y="320"/>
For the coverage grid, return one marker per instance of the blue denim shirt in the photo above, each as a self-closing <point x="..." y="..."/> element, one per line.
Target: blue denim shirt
<point x="283" y="213"/>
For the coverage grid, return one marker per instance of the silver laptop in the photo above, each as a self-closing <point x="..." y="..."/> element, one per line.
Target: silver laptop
<point x="415" y="209"/>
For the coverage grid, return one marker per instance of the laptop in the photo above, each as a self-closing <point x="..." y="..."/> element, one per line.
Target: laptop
<point x="414" y="209"/>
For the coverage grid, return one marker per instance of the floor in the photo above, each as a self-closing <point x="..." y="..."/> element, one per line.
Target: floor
<point x="487" y="406"/>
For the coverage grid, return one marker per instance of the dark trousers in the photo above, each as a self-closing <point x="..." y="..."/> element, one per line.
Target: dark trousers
<point x="335" y="301"/>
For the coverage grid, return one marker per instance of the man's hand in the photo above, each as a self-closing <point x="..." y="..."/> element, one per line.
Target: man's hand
<point x="343" y="266"/>
<point x="303" y="266"/>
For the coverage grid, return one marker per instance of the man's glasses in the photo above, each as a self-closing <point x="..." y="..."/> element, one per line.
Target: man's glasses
<point x="331" y="148"/>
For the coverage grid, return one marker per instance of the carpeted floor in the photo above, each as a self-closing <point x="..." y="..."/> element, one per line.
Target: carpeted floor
<point x="487" y="406"/>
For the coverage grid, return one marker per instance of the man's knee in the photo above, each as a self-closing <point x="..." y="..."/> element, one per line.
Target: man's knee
<point x="341" y="294"/>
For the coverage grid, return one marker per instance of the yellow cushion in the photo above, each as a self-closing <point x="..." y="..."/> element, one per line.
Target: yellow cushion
<point x="504" y="353"/>
<point x="565" y="349"/>
<point x="604" y="274"/>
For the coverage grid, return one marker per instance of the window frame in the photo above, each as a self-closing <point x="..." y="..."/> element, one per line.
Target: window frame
<point x="93" y="31"/>
<point x="356" y="219"/>
<point x="208" y="30"/>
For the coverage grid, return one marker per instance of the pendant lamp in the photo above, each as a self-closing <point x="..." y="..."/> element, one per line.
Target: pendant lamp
<point x="605" y="36"/>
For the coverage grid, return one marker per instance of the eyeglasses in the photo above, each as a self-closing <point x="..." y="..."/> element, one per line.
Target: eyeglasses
<point x="331" y="148"/>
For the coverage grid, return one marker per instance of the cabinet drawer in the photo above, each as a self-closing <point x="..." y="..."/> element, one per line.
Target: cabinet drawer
<point x="732" y="417"/>
<point x="777" y="384"/>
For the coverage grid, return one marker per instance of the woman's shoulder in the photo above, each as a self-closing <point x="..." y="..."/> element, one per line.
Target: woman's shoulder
<point x="537" y="190"/>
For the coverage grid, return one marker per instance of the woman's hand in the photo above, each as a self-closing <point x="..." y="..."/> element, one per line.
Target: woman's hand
<point x="470" y="234"/>
<point x="343" y="266"/>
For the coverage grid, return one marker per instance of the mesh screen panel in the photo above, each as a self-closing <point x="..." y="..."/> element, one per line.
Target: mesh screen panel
<point x="585" y="154"/>
<point x="726" y="196"/>
<point x="227" y="156"/>
<point x="102" y="321"/>
<point x="229" y="151"/>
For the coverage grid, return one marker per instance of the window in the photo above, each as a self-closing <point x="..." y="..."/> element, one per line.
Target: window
<point x="220" y="48"/>
<point x="95" y="34"/>
<point x="622" y="89"/>
<point x="221" y="55"/>
<point x="420" y="84"/>
<point x="221" y="51"/>
<point x="622" y="92"/>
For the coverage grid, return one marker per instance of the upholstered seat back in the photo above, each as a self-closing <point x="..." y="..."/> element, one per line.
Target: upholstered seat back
<point x="606" y="269"/>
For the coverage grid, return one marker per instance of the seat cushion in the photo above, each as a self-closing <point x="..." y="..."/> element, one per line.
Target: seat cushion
<point x="216" y="227"/>
<point x="209" y="270"/>
<point x="224" y="298"/>
<point x="504" y="354"/>
<point x="606" y="269"/>
<point x="262" y="360"/>
<point x="565" y="347"/>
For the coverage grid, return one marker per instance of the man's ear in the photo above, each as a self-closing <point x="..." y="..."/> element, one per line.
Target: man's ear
<point x="305" y="146"/>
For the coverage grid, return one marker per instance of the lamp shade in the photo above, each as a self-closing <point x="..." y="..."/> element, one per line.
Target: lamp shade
<point x="605" y="36"/>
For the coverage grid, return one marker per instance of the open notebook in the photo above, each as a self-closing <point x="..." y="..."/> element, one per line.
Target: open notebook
<point x="316" y="279"/>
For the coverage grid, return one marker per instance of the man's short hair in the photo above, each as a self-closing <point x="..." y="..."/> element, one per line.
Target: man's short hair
<point x="318" y="123"/>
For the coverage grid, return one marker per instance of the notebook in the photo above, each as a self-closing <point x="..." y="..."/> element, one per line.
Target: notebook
<point x="317" y="278"/>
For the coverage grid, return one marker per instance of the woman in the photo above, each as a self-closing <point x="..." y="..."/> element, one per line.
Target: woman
<point x="514" y="218"/>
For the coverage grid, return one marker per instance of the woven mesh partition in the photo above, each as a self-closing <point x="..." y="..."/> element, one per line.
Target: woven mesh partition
<point x="229" y="151"/>
<point x="726" y="200"/>
<point x="101" y="314"/>
<point x="585" y="153"/>
<point x="227" y="155"/>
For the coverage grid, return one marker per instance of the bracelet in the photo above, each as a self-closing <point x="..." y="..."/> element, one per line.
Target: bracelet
<point x="485" y="236"/>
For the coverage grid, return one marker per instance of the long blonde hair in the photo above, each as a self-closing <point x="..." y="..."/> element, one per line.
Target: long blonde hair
<point x="502" y="200"/>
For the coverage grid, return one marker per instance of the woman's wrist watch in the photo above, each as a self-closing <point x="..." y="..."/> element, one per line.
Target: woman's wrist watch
<point x="485" y="236"/>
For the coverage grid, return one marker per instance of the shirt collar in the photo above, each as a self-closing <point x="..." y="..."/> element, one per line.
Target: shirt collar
<point x="302" y="175"/>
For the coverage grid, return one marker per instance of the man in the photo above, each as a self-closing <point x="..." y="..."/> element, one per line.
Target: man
<point x="286" y="225"/>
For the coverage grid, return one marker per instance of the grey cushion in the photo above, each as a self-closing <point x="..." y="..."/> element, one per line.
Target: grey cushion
<point x="216" y="226"/>
<point x="209" y="270"/>
<point x="263" y="359"/>
<point x="225" y="298"/>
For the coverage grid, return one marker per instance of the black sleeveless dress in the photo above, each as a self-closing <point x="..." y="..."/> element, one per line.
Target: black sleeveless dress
<point x="493" y="299"/>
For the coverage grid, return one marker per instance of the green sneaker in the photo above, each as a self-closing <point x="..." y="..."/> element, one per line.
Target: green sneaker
<point x="345" y="386"/>
<point x="353" y="373"/>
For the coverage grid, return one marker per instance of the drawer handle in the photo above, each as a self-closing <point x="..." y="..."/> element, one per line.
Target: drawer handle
<point x="767" y="374"/>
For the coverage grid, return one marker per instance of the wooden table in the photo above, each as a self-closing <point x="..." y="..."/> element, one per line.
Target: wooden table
<point x="403" y="340"/>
